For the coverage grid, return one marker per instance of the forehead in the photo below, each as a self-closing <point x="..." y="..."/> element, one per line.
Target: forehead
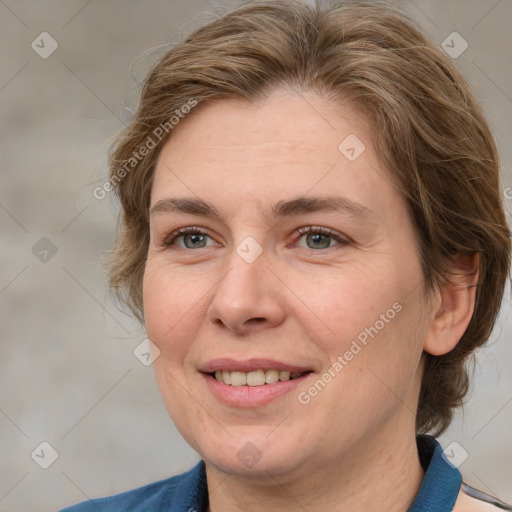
<point x="288" y="125"/>
<point x="287" y="146"/>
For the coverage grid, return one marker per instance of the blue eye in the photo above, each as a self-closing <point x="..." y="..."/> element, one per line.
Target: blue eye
<point x="192" y="238"/>
<point x="320" y="238"/>
<point x="315" y="237"/>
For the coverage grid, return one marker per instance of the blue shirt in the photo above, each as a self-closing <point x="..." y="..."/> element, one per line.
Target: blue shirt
<point x="188" y="492"/>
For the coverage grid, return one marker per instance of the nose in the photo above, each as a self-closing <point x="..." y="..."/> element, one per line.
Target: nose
<point x="249" y="297"/>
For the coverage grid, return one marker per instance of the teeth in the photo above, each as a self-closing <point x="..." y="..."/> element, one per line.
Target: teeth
<point x="271" y="376"/>
<point x="283" y="376"/>
<point x="238" y="378"/>
<point x="255" y="378"/>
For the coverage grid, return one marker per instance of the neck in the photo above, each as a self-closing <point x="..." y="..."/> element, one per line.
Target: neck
<point x="375" y="475"/>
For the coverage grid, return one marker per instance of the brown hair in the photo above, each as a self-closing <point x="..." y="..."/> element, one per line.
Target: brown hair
<point x="428" y="129"/>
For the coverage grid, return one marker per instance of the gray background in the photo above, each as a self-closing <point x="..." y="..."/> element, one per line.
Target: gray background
<point x="68" y="375"/>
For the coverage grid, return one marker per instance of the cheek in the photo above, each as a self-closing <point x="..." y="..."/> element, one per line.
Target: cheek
<point x="171" y="302"/>
<point x="369" y="320"/>
<point x="341" y="304"/>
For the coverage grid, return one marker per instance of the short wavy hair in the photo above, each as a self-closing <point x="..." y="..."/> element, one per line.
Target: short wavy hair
<point x="428" y="128"/>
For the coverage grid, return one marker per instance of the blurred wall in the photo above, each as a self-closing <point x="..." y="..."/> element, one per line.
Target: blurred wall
<point x="68" y="374"/>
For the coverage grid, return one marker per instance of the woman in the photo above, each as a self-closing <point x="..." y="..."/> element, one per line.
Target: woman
<point x="312" y="235"/>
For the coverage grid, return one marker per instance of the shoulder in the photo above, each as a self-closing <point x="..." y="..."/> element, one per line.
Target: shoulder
<point x="470" y="499"/>
<point x="152" y="496"/>
<point x="136" y="499"/>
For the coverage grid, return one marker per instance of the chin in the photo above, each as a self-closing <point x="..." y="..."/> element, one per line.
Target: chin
<point x="252" y="466"/>
<point x="256" y="455"/>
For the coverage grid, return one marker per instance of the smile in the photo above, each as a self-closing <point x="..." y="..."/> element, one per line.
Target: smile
<point x="255" y="378"/>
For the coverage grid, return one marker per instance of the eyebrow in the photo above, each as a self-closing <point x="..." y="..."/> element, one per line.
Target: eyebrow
<point x="301" y="205"/>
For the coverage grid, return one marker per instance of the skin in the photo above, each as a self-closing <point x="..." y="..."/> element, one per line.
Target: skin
<point x="351" y="445"/>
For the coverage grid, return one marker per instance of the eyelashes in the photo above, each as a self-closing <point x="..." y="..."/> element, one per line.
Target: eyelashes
<point x="170" y="241"/>
<point x="315" y="234"/>
<point x="314" y="231"/>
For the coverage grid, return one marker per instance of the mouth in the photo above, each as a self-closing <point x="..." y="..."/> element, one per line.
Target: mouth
<point x="258" y="377"/>
<point x="253" y="382"/>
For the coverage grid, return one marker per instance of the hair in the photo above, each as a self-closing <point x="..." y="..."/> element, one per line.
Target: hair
<point x="428" y="128"/>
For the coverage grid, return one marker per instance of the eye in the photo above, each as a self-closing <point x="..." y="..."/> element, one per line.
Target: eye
<point x="190" y="238"/>
<point x="315" y="238"/>
<point x="320" y="238"/>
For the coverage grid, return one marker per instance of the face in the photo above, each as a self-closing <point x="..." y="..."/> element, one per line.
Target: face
<point x="278" y="246"/>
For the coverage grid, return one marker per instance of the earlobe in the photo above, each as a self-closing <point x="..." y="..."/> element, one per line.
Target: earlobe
<point x="454" y="307"/>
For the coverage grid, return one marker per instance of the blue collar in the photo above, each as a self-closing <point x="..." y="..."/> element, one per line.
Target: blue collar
<point x="441" y="482"/>
<point x="437" y="493"/>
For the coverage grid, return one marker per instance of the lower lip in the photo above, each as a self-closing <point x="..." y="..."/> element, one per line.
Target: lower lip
<point x="251" y="396"/>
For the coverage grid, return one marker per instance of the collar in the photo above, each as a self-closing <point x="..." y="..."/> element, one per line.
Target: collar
<point x="438" y="491"/>
<point x="441" y="482"/>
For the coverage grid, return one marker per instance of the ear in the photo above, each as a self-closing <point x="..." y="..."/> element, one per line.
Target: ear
<point x="453" y="307"/>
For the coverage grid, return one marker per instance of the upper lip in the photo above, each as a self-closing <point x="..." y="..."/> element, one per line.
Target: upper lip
<point x="249" y="365"/>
